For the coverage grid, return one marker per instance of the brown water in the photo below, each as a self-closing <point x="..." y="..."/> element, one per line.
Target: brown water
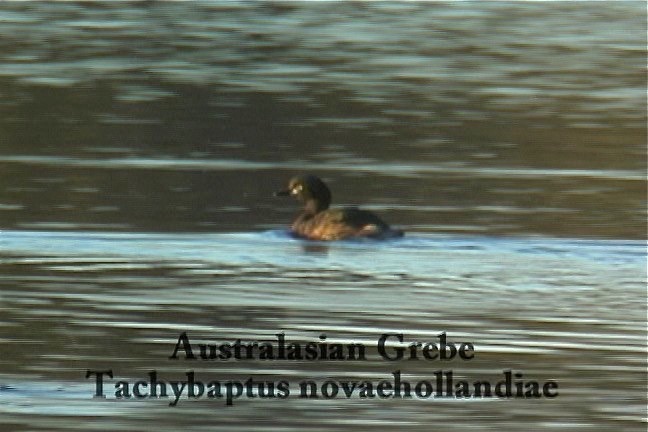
<point x="140" y="144"/>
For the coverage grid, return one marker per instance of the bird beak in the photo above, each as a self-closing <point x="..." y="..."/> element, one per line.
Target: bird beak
<point x="282" y="193"/>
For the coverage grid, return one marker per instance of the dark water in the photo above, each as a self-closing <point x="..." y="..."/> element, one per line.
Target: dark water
<point x="140" y="144"/>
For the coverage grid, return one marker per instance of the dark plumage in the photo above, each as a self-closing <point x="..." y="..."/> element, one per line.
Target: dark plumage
<point x="318" y="222"/>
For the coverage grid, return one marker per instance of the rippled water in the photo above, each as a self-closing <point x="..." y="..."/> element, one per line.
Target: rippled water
<point x="566" y="310"/>
<point x="140" y="145"/>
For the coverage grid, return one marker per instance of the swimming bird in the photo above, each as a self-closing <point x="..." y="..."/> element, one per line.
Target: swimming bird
<point x="318" y="222"/>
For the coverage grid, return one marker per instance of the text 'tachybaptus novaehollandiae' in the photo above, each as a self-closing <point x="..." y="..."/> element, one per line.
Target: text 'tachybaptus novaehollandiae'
<point x="318" y="222"/>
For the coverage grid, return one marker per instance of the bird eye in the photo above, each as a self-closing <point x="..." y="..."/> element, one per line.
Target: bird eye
<point x="296" y="189"/>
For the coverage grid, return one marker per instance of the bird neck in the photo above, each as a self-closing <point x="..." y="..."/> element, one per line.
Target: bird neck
<point x="314" y="206"/>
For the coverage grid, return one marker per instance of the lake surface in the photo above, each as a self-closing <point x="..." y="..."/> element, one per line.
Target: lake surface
<point x="141" y="143"/>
